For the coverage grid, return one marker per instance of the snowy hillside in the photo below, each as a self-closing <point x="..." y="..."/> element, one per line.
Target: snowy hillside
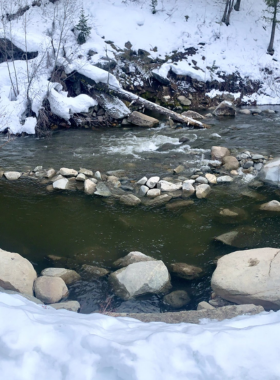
<point x="176" y="25"/>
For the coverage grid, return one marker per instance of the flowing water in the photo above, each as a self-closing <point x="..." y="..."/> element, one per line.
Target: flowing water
<point x="89" y="230"/>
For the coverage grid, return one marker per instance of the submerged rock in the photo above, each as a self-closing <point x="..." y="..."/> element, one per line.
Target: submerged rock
<point x="178" y="205"/>
<point x="130" y="200"/>
<point x="140" y="278"/>
<point x="131" y="258"/>
<point x="255" y="278"/>
<point x="177" y="299"/>
<point x="186" y="271"/>
<point x="245" y="237"/>
<point x="271" y="206"/>
<point x="91" y="271"/>
<point x="16" y="273"/>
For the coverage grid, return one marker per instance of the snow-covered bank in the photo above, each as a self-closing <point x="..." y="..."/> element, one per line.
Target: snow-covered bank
<point x="40" y="342"/>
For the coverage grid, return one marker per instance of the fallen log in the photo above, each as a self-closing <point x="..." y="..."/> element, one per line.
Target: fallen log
<point x="135" y="99"/>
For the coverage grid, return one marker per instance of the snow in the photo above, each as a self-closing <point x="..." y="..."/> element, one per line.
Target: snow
<point x="39" y="342"/>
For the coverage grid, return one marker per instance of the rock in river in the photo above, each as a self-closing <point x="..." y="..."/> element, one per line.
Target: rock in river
<point x="271" y="172"/>
<point x="271" y="206"/>
<point x="202" y="191"/>
<point x="250" y="276"/>
<point x="177" y="299"/>
<point x="130" y="200"/>
<point x="219" y="152"/>
<point x="185" y="271"/>
<point x="142" y="120"/>
<point x="16" y="273"/>
<point x="131" y="258"/>
<point x="242" y="238"/>
<point x="225" y="108"/>
<point x="69" y="276"/>
<point x="50" y="289"/>
<point x="12" y="176"/>
<point x="140" y="278"/>
<point x="102" y="190"/>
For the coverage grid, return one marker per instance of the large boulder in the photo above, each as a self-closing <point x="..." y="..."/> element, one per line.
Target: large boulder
<point x="50" y="289"/>
<point x="250" y="276"/>
<point x="69" y="276"/>
<point x="142" y="120"/>
<point x="140" y="278"/>
<point x="225" y="109"/>
<point x="271" y="172"/>
<point x="131" y="258"/>
<point x="16" y="273"/>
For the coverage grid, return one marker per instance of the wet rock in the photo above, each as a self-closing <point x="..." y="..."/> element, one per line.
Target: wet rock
<point x="98" y="176"/>
<point x="258" y="166"/>
<point x="184" y="101"/>
<point x="230" y="163"/>
<point x="65" y="172"/>
<point x="271" y="172"/>
<point x="38" y="169"/>
<point x="228" y="212"/>
<point x="184" y="139"/>
<point x="185" y="271"/>
<point x="61" y="184"/>
<point x="116" y="173"/>
<point x="92" y="272"/>
<point x="224" y="179"/>
<point x="225" y="109"/>
<point x="68" y="305"/>
<point x="1" y="173"/>
<point x="113" y="180"/>
<point x="81" y="177"/>
<point x="143" y="191"/>
<point x="193" y="115"/>
<point x="89" y="187"/>
<point x="248" y="164"/>
<point x="152" y="182"/>
<point x="152" y="193"/>
<point x="271" y="206"/>
<point x="142" y="181"/>
<point x="141" y="120"/>
<point x="255" y="278"/>
<point x="16" y="273"/>
<point x="102" y="190"/>
<point x="12" y="176"/>
<point x="158" y="201"/>
<point x="219" y="152"/>
<point x="88" y="173"/>
<point x="178" y="205"/>
<point x="204" y="306"/>
<point x="69" y="276"/>
<point x="234" y="172"/>
<point x="202" y="191"/>
<point x="132" y="258"/>
<point x="242" y="238"/>
<point x="177" y="299"/>
<point x="139" y="279"/>
<point x="202" y="180"/>
<point x="130" y="200"/>
<point x="166" y="147"/>
<point x="215" y="136"/>
<point x="168" y="186"/>
<point x="50" y="289"/>
<point x="179" y="169"/>
<point x="212" y="179"/>
<point x="50" y="173"/>
<point x="56" y="178"/>
<point x="188" y="189"/>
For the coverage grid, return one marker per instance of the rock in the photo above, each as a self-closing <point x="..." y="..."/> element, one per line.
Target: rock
<point x="202" y="191"/>
<point x="141" y="120"/>
<point x="113" y="180"/>
<point x="16" y="273"/>
<point x="65" y="172"/>
<point x="140" y="278"/>
<point x="26" y="296"/>
<point x="217" y="301"/>
<point x="209" y="115"/>
<point x="89" y="187"/>
<point x="81" y="177"/>
<point x="248" y="164"/>
<point x="132" y="258"/>
<point x="219" y="152"/>
<point x="116" y="173"/>
<point x="61" y="184"/>
<point x="234" y="172"/>
<point x="245" y="112"/>
<point x="177" y="299"/>
<point x="38" y="169"/>
<point x="102" y="190"/>
<point x="258" y="166"/>
<point x="201" y="180"/>
<point x="228" y="212"/>
<point x="152" y="193"/>
<point x="271" y="206"/>
<point x="143" y="191"/>
<point x="230" y="163"/>
<point x="256" y="157"/>
<point x="194" y="316"/>
<point x="271" y="172"/>
<point x="113" y="106"/>
<point x="243" y="238"/>
<point x="186" y="271"/>
<point x="184" y="101"/>
<point x="166" y="147"/>
<point x="68" y="305"/>
<point x="212" y="179"/>
<point x="168" y="186"/>
<point x="1" y="173"/>
<point x="12" y="176"/>
<point x="178" y="205"/>
<point x="188" y="189"/>
<point x="225" y="109"/>
<point x="204" y="306"/>
<point x="179" y="169"/>
<point x="158" y="201"/>
<point x="90" y="271"/>
<point x="215" y="136"/>
<point x="98" y="176"/>
<point x="88" y="173"/>
<point x="50" y="289"/>
<point x="224" y="179"/>
<point x="184" y="139"/>
<point x="255" y="278"/>
<point x="130" y="200"/>
<point x="193" y="115"/>
<point x="152" y="182"/>
<point x="142" y="181"/>
<point x="50" y="173"/>
<point x="56" y="178"/>
<point x="69" y="276"/>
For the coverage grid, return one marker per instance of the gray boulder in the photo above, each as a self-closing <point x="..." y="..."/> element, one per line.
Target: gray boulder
<point x="177" y="299"/>
<point x="131" y="258"/>
<point x="250" y="276"/>
<point x="225" y="108"/>
<point x="12" y="176"/>
<point x="102" y="190"/>
<point x="140" y="278"/>
<point x="16" y="273"/>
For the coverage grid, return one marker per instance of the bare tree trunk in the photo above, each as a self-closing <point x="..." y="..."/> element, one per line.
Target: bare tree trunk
<point x="237" y="5"/>
<point x="227" y="12"/>
<point x="270" y="48"/>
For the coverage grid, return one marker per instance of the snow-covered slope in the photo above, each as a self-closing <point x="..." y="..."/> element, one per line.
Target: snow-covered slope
<point x="176" y="26"/>
<point x="38" y="342"/>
